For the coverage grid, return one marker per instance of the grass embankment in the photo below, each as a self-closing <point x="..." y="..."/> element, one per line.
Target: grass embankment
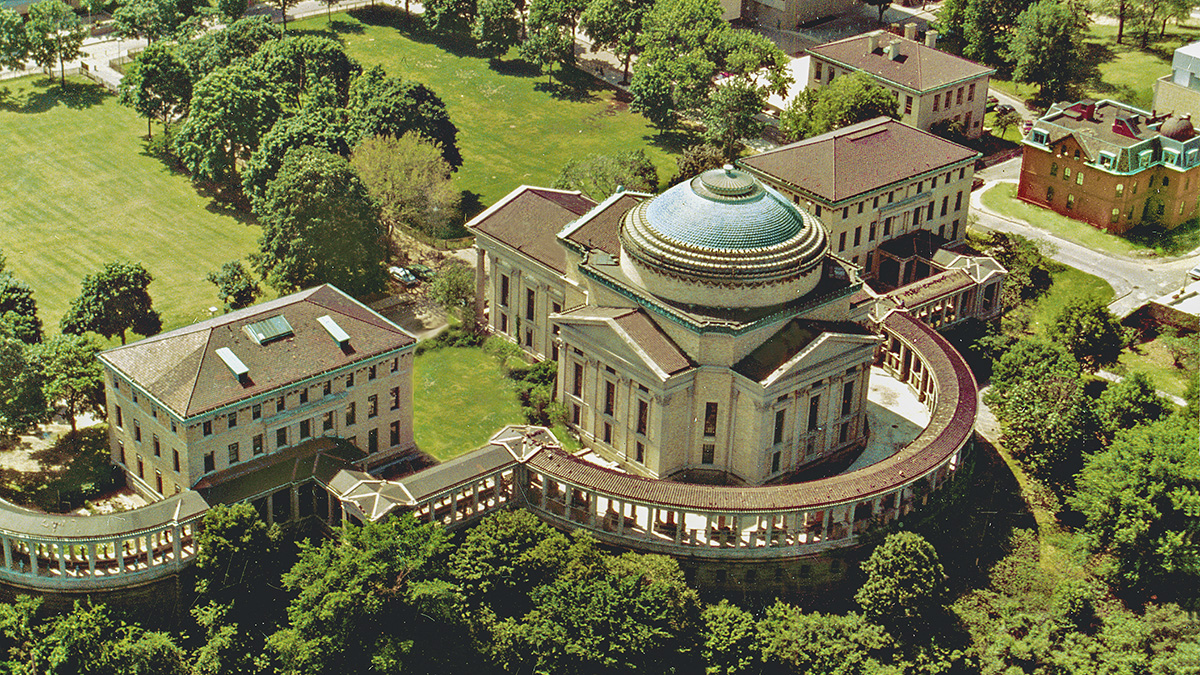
<point x="79" y="193"/>
<point x="1002" y="198"/>
<point x="460" y="399"/>
<point x="514" y="126"/>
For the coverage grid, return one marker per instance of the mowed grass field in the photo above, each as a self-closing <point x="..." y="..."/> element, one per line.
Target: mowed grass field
<point x="460" y="398"/>
<point x="514" y="128"/>
<point x="79" y="192"/>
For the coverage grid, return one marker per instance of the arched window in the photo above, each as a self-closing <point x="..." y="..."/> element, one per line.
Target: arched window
<point x="1050" y="193"/>
<point x="1116" y="215"/>
<point x="1120" y="190"/>
<point x="1053" y="168"/>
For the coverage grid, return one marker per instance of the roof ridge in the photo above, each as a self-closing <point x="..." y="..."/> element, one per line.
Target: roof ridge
<point x="187" y="408"/>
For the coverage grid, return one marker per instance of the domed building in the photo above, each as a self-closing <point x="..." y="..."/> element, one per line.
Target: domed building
<point x="705" y="333"/>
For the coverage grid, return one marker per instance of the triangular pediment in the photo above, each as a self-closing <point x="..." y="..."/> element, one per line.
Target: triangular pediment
<point x="827" y="347"/>
<point x="628" y="335"/>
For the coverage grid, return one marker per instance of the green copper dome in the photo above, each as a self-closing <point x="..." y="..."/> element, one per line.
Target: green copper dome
<point x="723" y="227"/>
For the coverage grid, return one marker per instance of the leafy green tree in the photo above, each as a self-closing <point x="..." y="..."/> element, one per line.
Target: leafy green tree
<point x="236" y="553"/>
<point x="615" y="25"/>
<point x="1006" y="120"/>
<point x="1125" y="404"/>
<point x="410" y="180"/>
<point x="696" y="159"/>
<point x="113" y="301"/>
<point x="227" y="648"/>
<point x="731" y="114"/>
<point x="297" y="64"/>
<point x="231" y="10"/>
<point x="14" y="42"/>
<point x="89" y="639"/>
<point x="235" y="287"/>
<point x="599" y="176"/>
<point x="1139" y="497"/>
<point x="1090" y="332"/>
<point x="1184" y="348"/>
<point x="454" y="289"/>
<point x="217" y="49"/>
<point x="847" y="100"/>
<point x="69" y="372"/>
<point x="22" y="403"/>
<point x="283" y="6"/>
<point x="794" y="642"/>
<point x="988" y="26"/>
<point x="755" y="59"/>
<point x="323" y="127"/>
<point x="730" y="644"/>
<point x="497" y="27"/>
<point x="156" y="85"/>
<point x="449" y="16"/>
<point x="562" y="13"/>
<point x="681" y="44"/>
<point x="151" y="19"/>
<point x="54" y="34"/>
<point x="905" y="585"/>
<point x="651" y="89"/>
<point x="390" y="106"/>
<point x="319" y="226"/>
<point x="546" y="44"/>
<point x="18" y="309"/>
<point x="369" y="600"/>
<point x="232" y="109"/>
<point x="1045" y="48"/>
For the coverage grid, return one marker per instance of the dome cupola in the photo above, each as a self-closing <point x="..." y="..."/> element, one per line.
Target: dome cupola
<point x="723" y="239"/>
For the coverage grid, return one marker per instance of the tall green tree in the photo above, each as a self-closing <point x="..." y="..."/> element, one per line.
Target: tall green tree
<point x="216" y="49"/>
<point x="497" y="27"/>
<point x="298" y="64"/>
<point x="696" y="159"/>
<point x="410" y="180"/>
<point x="1045" y="48"/>
<point x="368" y="600"/>
<point x="324" y="127"/>
<point x="113" y="301"/>
<point x="653" y="97"/>
<point x="18" y="309"/>
<point x="1128" y="403"/>
<point x="283" y="6"/>
<point x="615" y="25"/>
<point x="1090" y="332"/>
<point x="390" y="106"/>
<point x="730" y="639"/>
<point x="547" y="43"/>
<point x="1139" y="497"/>
<point x="156" y="85"/>
<point x="151" y="19"/>
<point x="905" y="586"/>
<point x="235" y="286"/>
<point x="794" y="642"/>
<point x="599" y="176"/>
<point x="681" y="43"/>
<point x="22" y="402"/>
<point x="231" y="10"/>
<point x="14" y="42"/>
<point x="232" y="109"/>
<point x="319" y="226"/>
<point x="70" y="373"/>
<point x="732" y="114"/>
<point x="55" y="34"/>
<point x="448" y="16"/>
<point x="454" y="290"/>
<point x="236" y="556"/>
<point x="847" y="100"/>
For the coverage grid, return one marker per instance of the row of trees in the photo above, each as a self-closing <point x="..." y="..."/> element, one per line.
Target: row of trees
<point x="328" y="156"/>
<point x="51" y="36"/>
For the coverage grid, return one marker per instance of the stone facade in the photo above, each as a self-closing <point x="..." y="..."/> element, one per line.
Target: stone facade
<point x="1179" y="92"/>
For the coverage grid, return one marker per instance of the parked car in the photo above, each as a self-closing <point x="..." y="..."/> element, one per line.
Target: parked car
<point x="1194" y="273"/>
<point x="1004" y="108"/>
<point x="992" y="101"/>
<point x="402" y="275"/>
<point x="422" y="272"/>
<point x="1026" y="127"/>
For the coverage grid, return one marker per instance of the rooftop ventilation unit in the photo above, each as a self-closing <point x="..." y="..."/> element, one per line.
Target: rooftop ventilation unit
<point x="235" y="364"/>
<point x="335" y="331"/>
<point x="269" y="329"/>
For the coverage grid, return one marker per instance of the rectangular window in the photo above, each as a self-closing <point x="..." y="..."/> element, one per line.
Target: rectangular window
<point x="607" y="433"/>
<point x="210" y="462"/>
<point x="121" y="451"/>
<point x="858" y="235"/>
<point x="327" y="388"/>
<point x="530" y="301"/>
<point x="937" y="98"/>
<point x="395" y="393"/>
<point x="303" y="395"/>
<point x="256" y="445"/>
<point x="372" y="441"/>
<point x="847" y="398"/>
<point x="503" y="323"/>
<point x="175" y="458"/>
<point x="120" y="421"/>
<point x="327" y="422"/>
<point x="817" y="71"/>
<point x="971" y="92"/>
<point x="641" y="454"/>
<point x="610" y="397"/>
<point x="281" y="404"/>
<point x="233" y="453"/>
<point x="528" y="338"/>
<point x="708" y="453"/>
<point x="504" y="290"/>
<point x="916" y="216"/>
<point x="372" y="406"/>
<point x="887" y="227"/>
<point x="137" y="431"/>
<point x="842" y="242"/>
<point x="350" y="380"/>
<point x="814" y="407"/>
<point x="575" y="414"/>
<point x="875" y="202"/>
<point x="860" y="206"/>
<point x="958" y="201"/>
<point x="945" y="204"/>
<point x="871" y="233"/>
<point x="643" y="417"/>
<point x="710" y="419"/>
<point x="780" y="421"/>
<point x="845" y="213"/>
<point x="958" y="99"/>
<point x="232" y="420"/>
<point x="305" y="429"/>
<point x="577" y="383"/>
<point x="371" y="372"/>
<point x="954" y="231"/>
<point x="157" y="447"/>
<point x="256" y="411"/>
<point x="394" y="434"/>
<point x="844" y="432"/>
<point x="775" y="462"/>
<point x="281" y="438"/>
<point x="207" y="426"/>
<point x="350" y="413"/>
<point x="907" y="105"/>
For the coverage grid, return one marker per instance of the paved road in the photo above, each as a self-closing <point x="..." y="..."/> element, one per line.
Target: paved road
<point x="1135" y="280"/>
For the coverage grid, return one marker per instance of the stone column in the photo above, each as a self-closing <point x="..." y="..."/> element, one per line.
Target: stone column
<point x="480" y="284"/>
<point x="294" y="493"/>
<point x="176" y="544"/>
<point x="62" y="560"/>
<point x="620" y="519"/>
<point x="119" y="549"/>
<point x="8" y="558"/>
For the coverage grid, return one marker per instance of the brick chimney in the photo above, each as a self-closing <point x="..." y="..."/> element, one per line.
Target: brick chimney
<point x="910" y="31"/>
<point x="872" y="43"/>
<point x="931" y="37"/>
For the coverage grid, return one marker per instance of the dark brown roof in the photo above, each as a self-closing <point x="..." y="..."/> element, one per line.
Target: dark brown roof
<point x="466" y="468"/>
<point x="932" y="288"/>
<point x="602" y="228"/>
<point x="918" y="243"/>
<point x="916" y="67"/>
<point x="321" y="458"/>
<point x="528" y="220"/>
<point x="183" y="371"/>
<point x="857" y="159"/>
<point x="656" y="345"/>
<point x="952" y="422"/>
<point x="787" y="343"/>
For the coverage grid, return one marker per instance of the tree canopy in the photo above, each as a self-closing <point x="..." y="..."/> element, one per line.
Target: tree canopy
<point x="113" y="301"/>
<point x="235" y="287"/>
<point x="1045" y="48"/>
<point x="599" y="176"/>
<point x="157" y="85"/>
<point x="1089" y="331"/>
<point x="70" y="373"/>
<point x="18" y="309"/>
<point x="14" y="42"/>
<point x="905" y="585"/>
<point x="849" y="99"/>
<point x="54" y="34"/>
<point x="410" y="180"/>
<point x="390" y="106"/>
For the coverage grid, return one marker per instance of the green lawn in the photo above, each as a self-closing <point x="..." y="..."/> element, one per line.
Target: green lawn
<point x="513" y="128"/>
<point x="1002" y="198"/>
<point x="79" y="192"/>
<point x="460" y="399"/>
<point x="1069" y="283"/>
<point x="1153" y="359"/>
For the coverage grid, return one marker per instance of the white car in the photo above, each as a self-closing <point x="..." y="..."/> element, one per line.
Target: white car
<point x="1194" y="273"/>
<point x="402" y="275"/>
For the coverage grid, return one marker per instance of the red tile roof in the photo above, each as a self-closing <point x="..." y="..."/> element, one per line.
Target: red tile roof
<point x="528" y="220"/>
<point x="603" y="227"/>
<point x="916" y="66"/>
<point x="857" y="159"/>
